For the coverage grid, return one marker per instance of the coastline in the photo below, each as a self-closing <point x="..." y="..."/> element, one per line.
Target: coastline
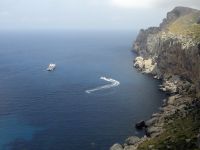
<point x="176" y="103"/>
<point x="172" y="55"/>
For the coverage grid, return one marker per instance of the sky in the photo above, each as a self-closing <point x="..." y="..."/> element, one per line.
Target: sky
<point x="86" y="14"/>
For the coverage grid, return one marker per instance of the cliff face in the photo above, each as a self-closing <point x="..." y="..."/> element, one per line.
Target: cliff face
<point x="171" y="52"/>
<point x="173" y="48"/>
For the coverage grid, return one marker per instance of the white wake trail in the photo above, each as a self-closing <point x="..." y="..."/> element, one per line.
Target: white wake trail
<point x="113" y="83"/>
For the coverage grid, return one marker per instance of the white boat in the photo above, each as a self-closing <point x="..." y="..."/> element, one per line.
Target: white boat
<point x="51" y="67"/>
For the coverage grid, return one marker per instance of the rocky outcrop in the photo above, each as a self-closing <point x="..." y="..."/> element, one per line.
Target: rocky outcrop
<point x="140" y="125"/>
<point x="145" y="65"/>
<point x="132" y="140"/>
<point x="141" y="44"/>
<point x="116" y="147"/>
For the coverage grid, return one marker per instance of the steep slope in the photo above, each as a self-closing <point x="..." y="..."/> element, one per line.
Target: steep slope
<point x="173" y="47"/>
<point x="171" y="52"/>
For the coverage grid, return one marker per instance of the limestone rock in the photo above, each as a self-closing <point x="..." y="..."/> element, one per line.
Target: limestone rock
<point x="151" y="121"/>
<point x="153" y="129"/>
<point x="130" y="147"/>
<point x="116" y="147"/>
<point x="132" y="140"/>
<point x="139" y="63"/>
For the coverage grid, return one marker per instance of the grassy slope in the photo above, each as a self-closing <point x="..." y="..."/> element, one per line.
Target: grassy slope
<point x="187" y="26"/>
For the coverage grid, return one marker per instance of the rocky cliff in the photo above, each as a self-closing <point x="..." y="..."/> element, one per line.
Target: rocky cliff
<point x="171" y="52"/>
<point x="173" y="48"/>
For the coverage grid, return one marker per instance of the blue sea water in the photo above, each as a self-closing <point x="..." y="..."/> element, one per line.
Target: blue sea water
<point x="41" y="110"/>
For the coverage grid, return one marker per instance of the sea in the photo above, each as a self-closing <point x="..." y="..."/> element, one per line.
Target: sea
<point x="90" y="101"/>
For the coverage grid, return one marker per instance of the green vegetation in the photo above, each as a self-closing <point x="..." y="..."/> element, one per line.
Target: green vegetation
<point x="187" y="26"/>
<point x="180" y="133"/>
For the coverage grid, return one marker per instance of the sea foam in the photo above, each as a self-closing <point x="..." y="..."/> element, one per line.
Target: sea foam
<point x="113" y="83"/>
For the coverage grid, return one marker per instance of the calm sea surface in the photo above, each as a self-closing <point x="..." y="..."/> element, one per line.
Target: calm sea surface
<point x="41" y="110"/>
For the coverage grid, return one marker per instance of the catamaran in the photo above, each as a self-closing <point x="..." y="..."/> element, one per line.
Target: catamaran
<point x="51" y="67"/>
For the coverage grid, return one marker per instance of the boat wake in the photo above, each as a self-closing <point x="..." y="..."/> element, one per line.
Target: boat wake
<point x="113" y="83"/>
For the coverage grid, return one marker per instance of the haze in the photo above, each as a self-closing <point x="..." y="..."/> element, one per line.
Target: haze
<point x="86" y="14"/>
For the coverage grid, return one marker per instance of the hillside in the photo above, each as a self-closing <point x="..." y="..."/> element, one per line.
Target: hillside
<point x="173" y="48"/>
<point x="171" y="53"/>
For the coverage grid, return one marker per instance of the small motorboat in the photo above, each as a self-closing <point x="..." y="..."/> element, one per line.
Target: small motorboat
<point x="51" y="67"/>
